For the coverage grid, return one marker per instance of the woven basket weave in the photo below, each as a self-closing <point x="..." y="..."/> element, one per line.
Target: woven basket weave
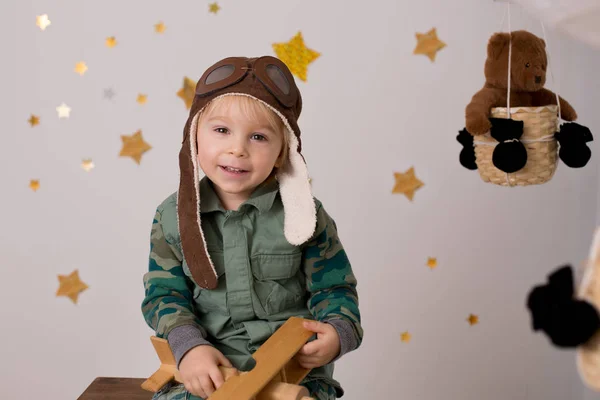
<point x="588" y="354"/>
<point x="542" y="156"/>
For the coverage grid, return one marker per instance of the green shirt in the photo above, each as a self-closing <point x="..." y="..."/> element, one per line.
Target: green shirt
<point x="263" y="280"/>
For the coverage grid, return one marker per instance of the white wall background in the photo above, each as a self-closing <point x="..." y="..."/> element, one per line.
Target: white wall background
<point x="371" y="108"/>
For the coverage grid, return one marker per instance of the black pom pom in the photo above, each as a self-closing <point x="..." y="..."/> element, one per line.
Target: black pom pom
<point x="567" y="321"/>
<point x="510" y="154"/>
<point x="572" y="138"/>
<point x="573" y="323"/>
<point x="506" y="129"/>
<point x="467" y="154"/>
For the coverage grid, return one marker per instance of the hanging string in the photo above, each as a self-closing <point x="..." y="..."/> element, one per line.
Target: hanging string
<point x="509" y="59"/>
<point x="551" y="70"/>
<point x="502" y="22"/>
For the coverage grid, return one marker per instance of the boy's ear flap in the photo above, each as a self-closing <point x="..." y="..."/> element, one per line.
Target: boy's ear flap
<point x="496" y="44"/>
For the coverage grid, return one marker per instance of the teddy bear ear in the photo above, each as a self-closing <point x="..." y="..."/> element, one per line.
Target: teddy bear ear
<point x="496" y="44"/>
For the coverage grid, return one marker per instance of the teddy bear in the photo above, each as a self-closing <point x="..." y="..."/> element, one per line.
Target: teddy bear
<point x="529" y="62"/>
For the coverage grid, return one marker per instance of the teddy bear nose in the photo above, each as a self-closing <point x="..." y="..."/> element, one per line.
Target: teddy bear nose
<point x="538" y="79"/>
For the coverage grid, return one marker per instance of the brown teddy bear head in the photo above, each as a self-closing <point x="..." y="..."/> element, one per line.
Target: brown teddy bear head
<point x="528" y="61"/>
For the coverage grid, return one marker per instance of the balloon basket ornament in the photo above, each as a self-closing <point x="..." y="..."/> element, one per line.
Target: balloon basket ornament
<point x="534" y="154"/>
<point x="524" y="143"/>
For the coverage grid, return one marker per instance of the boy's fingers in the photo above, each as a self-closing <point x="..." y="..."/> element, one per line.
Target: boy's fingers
<point x="196" y="388"/>
<point x="224" y="361"/>
<point x="207" y="385"/>
<point x="310" y="348"/>
<point x="315" y="326"/>
<point x="217" y="377"/>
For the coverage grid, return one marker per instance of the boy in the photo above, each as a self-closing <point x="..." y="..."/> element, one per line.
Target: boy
<point x="236" y="253"/>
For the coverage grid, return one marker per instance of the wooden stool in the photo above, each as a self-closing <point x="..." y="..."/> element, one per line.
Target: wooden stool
<point x="116" y="389"/>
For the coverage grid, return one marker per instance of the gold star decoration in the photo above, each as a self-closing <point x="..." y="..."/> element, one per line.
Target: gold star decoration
<point x="111" y="42"/>
<point x="142" y="98"/>
<point x="87" y="165"/>
<point x="160" y="27"/>
<point x="405" y="337"/>
<point x="34" y="120"/>
<point x="134" y="146"/>
<point x="81" y="68"/>
<point x="473" y="319"/>
<point x="34" y="184"/>
<point x="70" y="286"/>
<point x="407" y="183"/>
<point x="432" y="262"/>
<point x="296" y="55"/>
<point x="187" y="92"/>
<point x="428" y="44"/>
<point x="64" y="111"/>
<point x="213" y="8"/>
<point x="42" y="21"/>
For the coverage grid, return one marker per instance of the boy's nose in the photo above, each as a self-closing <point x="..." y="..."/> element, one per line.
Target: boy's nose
<point x="237" y="148"/>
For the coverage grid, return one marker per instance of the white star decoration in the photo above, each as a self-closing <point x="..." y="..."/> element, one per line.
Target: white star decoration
<point x="64" y="111"/>
<point x="42" y="21"/>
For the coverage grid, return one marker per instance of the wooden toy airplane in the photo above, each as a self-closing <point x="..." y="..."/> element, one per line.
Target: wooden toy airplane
<point x="275" y="376"/>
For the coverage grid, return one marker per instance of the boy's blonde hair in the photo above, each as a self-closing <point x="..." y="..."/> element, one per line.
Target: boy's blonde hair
<point x="253" y="110"/>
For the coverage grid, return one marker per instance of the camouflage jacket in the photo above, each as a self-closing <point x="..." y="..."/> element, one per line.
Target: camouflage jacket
<point x="263" y="280"/>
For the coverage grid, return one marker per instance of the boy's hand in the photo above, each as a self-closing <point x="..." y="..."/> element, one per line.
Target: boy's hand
<point x="199" y="369"/>
<point x="321" y="350"/>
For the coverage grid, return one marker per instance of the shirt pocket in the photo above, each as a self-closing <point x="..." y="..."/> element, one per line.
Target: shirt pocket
<point x="211" y="299"/>
<point x="278" y="281"/>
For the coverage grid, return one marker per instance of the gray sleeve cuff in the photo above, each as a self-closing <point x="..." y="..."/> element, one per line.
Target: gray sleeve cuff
<point x="185" y="337"/>
<point x="345" y="331"/>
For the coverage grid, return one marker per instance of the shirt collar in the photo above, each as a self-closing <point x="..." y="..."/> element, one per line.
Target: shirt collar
<point x="262" y="198"/>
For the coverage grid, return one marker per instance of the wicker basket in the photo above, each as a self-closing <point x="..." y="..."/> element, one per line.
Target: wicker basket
<point x="588" y="354"/>
<point x="539" y="126"/>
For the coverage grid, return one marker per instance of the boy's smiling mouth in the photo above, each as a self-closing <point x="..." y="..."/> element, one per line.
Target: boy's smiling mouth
<point x="232" y="169"/>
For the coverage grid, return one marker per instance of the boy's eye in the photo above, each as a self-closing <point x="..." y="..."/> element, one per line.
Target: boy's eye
<point x="221" y="130"/>
<point x="258" y="136"/>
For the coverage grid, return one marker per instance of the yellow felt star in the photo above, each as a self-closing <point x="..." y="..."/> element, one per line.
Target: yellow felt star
<point x="187" y="92"/>
<point x="432" y="262"/>
<point x="64" y="111"/>
<point x="134" y="146"/>
<point x="160" y="27"/>
<point x="34" y="184"/>
<point x="111" y="42"/>
<point x="407" y="183"/>
<point x="87" y="165"/>
<point x="429" y="44"/>
<point x="142" y="98"/>
<point x="42" y="21"/>
<point x="473" y="319"/>
<point x="296" y="55"/>
<point x="405" y="337"/>
<point x="213" y="8"/>
<point x="70" y="286"/>
<point x="34" y="120"/>
<point x="81" y="68"/>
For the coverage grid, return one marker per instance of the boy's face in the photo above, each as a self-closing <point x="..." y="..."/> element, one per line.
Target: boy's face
<point x="237" y="153"/>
